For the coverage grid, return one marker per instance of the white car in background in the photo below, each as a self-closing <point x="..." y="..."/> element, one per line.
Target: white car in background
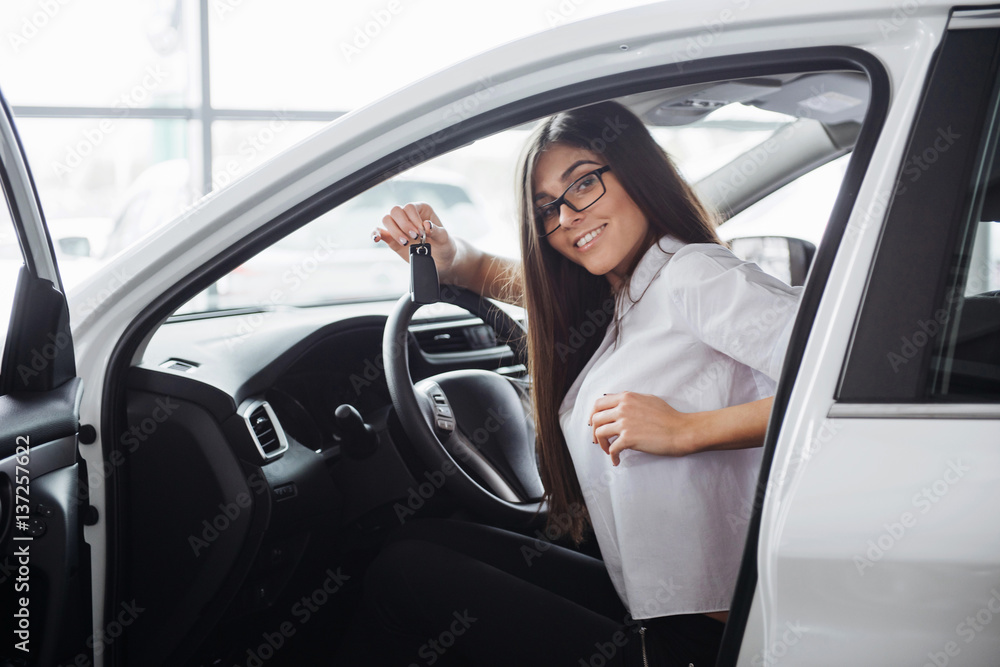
<point x="210" y="484"/>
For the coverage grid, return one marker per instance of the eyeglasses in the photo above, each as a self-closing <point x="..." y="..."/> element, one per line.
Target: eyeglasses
<point x="581" y="194"/>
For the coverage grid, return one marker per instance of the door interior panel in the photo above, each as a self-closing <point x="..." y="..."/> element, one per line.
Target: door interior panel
<point x="43" y="558"/>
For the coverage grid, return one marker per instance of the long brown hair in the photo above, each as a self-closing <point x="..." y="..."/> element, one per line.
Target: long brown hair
<point x="568" y="308"/>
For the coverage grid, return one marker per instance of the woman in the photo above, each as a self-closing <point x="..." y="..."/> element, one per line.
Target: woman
<point x="652" y="423"/>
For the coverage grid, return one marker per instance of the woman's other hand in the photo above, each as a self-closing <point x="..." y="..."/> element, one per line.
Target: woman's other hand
<point x="404" y="225"/>
<point x="647" y="423"/>
<point x="643" y="422"/>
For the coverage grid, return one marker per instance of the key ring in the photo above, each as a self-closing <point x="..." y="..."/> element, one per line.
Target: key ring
<point x="423" y="248"/>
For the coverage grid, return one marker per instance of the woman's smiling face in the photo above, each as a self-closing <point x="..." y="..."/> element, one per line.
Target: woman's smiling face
<point x="603" y="237"/>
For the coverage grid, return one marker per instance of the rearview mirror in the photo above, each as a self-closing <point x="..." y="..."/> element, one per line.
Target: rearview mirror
<point x="787" y="259"/>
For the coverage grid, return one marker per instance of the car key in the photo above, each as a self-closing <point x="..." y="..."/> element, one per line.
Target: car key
<point x="424" y="287"/>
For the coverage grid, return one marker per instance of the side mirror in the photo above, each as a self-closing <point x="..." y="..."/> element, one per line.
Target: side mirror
<point x="74" y="246"/>
<point x="787" y="259"/>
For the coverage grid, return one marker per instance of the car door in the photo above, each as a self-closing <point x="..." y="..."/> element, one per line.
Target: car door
<point x="878" y="537"/>
<point x="44" y="566"/>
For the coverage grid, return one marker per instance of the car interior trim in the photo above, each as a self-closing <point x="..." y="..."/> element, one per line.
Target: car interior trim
<point x="973" y="19"/>
<point x="914" y="411"/>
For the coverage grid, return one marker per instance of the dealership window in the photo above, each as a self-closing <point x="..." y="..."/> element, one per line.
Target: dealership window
<point x="126" y="132"/>
<point x="111" y="93"/>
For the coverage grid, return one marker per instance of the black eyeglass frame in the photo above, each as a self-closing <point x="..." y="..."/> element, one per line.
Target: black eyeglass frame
<point x="559" y="201"/>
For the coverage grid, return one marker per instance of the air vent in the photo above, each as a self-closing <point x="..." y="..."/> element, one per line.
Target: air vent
<point x="179" y="365"/>
<point x="442" y="339"/>
<point x="265" y="429"/>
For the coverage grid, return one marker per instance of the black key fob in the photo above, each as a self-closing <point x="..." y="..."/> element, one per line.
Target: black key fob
<point x="424" y="288"/>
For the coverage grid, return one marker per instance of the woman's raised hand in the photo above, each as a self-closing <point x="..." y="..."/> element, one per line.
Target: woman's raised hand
<point x="403" y="226"/>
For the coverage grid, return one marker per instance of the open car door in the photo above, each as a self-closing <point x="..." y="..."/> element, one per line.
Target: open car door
<point x="44" y="565"/>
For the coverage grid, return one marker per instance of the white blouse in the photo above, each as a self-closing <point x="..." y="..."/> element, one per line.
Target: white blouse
<point x="709" y="331"/>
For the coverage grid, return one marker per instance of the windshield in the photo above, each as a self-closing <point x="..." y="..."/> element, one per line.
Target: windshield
<point x="333" y="258"/>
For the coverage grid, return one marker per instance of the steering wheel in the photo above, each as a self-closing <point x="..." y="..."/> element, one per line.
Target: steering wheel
<point x="475" y="426"/>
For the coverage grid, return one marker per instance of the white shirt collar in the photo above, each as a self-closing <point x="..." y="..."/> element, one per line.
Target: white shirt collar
<point x="652" y="262"/>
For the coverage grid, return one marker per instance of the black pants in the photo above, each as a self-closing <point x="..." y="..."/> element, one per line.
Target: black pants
<point x="456" y="593"/>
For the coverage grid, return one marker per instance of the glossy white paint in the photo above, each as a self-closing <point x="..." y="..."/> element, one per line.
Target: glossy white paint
<point x="798" y="581"/>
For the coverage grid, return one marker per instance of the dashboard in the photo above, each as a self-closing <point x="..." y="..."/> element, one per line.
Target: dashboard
<point x="244" y="477"/>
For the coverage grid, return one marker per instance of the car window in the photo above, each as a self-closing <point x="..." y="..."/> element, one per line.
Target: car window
<point x="966" y="364"/>
<point x="472" y="189"/>
<point x="799" y="209"/>
<point x="11" y="261"/>
<point x="928" y="329"/>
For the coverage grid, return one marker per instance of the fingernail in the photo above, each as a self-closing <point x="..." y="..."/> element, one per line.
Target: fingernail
<point x="413" y="234"/>
<point x="376" y="238"/>
<point x="402" y="240"/>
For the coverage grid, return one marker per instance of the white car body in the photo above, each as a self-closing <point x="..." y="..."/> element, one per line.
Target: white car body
<point x="838" y="473"/>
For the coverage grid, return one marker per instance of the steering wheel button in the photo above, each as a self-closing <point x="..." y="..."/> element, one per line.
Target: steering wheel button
<point x="439" y="399"/>
<point x="445" y="424"/>
<point x="442" y="411"/>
